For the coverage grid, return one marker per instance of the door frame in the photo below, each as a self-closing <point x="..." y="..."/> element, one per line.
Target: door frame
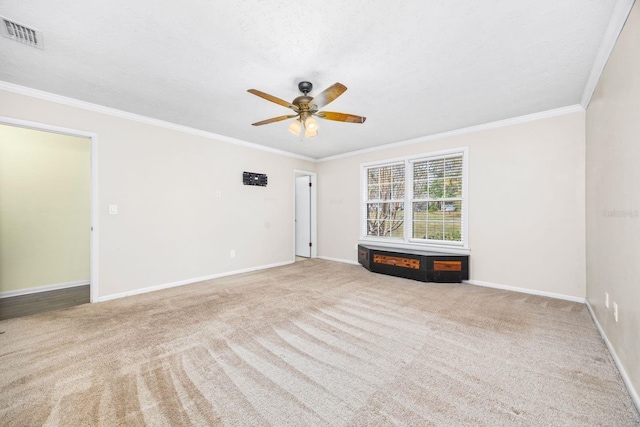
<point x="93" y="234"/>
<point x="313" y="178"/>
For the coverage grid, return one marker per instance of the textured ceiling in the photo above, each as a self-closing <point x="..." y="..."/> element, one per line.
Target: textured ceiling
<point x="413" y="68"/>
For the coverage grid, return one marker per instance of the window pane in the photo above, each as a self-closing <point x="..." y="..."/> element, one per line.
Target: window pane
<point x="374" y="192"/>
<point x="385" y="219"/>
<point x="453" y="187"/>
<point x="434" y="230"/>
<point x="436" y="179"/>
<point x="397" y="190"/>
<point x="420" y="212"/>
<point x="398" y="182"/>
<point x="420" y="170"/>
<point x="373" y="175"/>
<point x="437" y="220"/>
<point x="453" y="177"/>
<point x="386" y="182"/>
<point x="420" y="189"/>
<point x="419" y="230"/>
<point x="436" y="188"/>
<point x="420" y="179"/>
<point x="452" y="231"/>
<point x="397" y="229"/>
<point x="453" y="166"/>
<point x="452" y="210"/>
<point x="435" y="211"/>
<point x="436" y="168"/>
<point x="372" y="228"/>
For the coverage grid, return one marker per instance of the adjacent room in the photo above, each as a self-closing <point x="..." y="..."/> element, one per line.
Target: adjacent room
<point x="344" y="214"/>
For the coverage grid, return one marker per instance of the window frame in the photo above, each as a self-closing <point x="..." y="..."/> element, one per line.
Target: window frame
<point x="407" y="241"/>
<point x="392" y="200"/>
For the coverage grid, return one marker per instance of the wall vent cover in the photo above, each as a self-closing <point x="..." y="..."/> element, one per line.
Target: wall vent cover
<point x="21" y="33"/>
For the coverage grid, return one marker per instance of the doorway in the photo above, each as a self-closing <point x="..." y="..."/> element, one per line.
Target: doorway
<point x="55" y="177"/>
<point x="304" y="231"/>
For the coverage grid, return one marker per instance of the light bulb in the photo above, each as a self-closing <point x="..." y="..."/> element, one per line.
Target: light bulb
<point x="311" y="124"/>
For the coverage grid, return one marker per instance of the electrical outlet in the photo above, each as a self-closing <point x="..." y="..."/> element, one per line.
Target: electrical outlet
<point x="606" y="299"/>
<point x="233" y="253"/>
<point x="113" y="209"/>
<point x="355" y="246"/>
<point x="615" y="312"/>
<point x="219" y="193"/>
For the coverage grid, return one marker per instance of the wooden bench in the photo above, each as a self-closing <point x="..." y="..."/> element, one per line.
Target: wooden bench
<point x="414" y="264"/>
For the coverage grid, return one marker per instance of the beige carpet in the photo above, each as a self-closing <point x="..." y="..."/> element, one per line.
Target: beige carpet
<point x="314" y="343"/>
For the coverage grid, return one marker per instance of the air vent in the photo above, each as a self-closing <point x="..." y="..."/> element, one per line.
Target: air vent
<point x="21" y="33"/>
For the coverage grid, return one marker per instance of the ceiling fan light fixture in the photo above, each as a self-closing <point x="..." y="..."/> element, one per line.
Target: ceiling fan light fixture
<point x="311" y="124"/>
<point x="295" y="127"/>
<point x="306" y="106"/>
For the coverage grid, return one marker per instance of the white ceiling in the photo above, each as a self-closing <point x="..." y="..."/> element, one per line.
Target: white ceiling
<point x="413" y="68"/>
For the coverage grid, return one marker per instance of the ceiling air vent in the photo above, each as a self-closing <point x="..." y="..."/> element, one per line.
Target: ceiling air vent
<point x="21" y="33"/>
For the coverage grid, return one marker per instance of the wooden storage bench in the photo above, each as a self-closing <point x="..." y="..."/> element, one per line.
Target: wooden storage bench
<point x="414" y="264"/>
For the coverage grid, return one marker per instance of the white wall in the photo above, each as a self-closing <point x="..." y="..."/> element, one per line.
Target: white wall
<point x="171" y="225"/>
<point x="44" y="209"/>
<point x="526" y="203"/>
<point x="613" y="198"/>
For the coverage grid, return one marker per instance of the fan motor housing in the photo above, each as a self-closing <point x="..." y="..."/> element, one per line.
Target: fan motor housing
<point x="303" y="102"/>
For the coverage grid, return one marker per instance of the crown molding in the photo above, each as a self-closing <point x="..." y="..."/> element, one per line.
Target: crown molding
<point x="471" y="129"/>
<point x="71" y="102"/>
<point x="619" y="17"/>
<point x="22" y="90"/>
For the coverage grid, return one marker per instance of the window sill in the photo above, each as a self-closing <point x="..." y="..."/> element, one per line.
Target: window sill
<point x="449" y="249"/>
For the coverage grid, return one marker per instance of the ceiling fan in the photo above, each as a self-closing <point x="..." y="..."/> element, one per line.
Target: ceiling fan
<point x="306" y="107"/>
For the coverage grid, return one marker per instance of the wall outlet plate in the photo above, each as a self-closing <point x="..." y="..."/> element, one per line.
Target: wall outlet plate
<point x="615" y="312"/>
<point x="606" y="299"/>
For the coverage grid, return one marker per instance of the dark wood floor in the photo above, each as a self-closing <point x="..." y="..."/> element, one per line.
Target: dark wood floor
<point x="24" y="305"/>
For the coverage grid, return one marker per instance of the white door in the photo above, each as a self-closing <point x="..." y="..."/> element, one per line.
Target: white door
<point x="303" y="216"/>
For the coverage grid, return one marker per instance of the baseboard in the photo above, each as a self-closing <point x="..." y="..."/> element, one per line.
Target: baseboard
<point x="527" y="291"/>
<point x="616" y="359"/>
<point x="344" y="261"/>
<point x="54" y="287"/>
<point x="189" y="281"/>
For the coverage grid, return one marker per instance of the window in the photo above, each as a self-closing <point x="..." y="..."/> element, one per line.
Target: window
<point x="385" y="201"/>
<point x="417" y="200"/>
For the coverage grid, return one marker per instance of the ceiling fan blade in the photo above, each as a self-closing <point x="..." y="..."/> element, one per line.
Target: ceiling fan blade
<point x="273" y="99"/>
<point x="329" y="94"/>
<point x="274" y="119"/>
<point x="340" y="117"/>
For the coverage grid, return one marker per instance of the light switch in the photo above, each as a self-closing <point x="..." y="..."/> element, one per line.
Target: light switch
<point x="113" y="209"/>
